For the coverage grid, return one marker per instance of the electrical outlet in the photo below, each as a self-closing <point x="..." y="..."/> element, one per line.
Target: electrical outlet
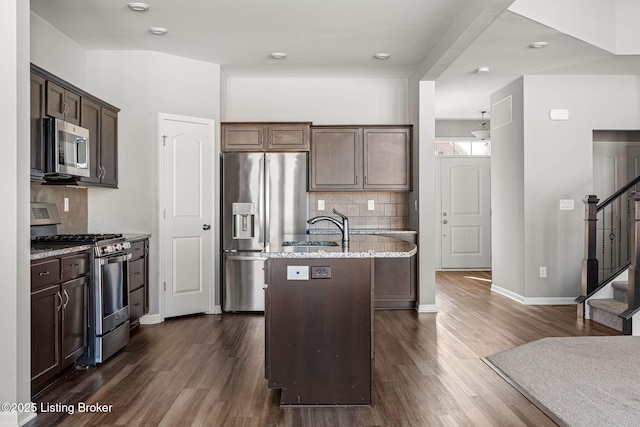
<point x="543" y="271"/>
<point x="66" y="204"/>
<point x="371" y="205"/>
<point x="320" y="205"/>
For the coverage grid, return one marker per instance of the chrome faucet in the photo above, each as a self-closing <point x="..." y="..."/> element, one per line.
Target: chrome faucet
<point x="342" y="225"/>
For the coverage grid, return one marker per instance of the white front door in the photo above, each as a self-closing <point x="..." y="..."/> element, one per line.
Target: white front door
<point x="186" y="246"/>
<point x="466" y="212"/>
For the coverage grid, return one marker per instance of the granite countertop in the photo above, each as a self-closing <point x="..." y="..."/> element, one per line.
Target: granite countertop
<point x="40" y="253"/>
<point x="388" y="231"/>
<point x="360" y="246"/>
<point x="49" y="251"/>
<point x="136" y="237"/>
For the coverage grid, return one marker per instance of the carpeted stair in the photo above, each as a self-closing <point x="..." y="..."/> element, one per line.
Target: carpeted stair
<point x="607" y="311"/>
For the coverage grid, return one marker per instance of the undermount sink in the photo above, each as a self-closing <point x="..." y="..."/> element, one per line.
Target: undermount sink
<point x="309" y="243"/>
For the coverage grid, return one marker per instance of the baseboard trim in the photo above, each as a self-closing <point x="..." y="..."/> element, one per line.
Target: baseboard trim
<point x="427" y="308"/>
<point x="150" y="319"/>
<point x="533" y="301"/>
<point x="16" y="418"/>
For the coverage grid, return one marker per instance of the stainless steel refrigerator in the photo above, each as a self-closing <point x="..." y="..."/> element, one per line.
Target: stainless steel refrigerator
<point x="264" y="195"/>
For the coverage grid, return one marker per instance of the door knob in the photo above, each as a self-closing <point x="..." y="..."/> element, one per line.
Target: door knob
<point x="206" y="226"/>
<point x="444" y="222"/>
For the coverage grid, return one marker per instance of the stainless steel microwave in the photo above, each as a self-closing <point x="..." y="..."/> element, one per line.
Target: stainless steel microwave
<point x="67" y="149"/>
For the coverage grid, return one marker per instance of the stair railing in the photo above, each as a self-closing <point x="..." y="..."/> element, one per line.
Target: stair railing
<point x="634" y="269"/>
<point x="609" y="240"/>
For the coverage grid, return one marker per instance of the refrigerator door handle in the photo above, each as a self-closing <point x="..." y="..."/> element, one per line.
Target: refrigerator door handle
<point x="261" y="199"/>
<point x="267" y="190"/>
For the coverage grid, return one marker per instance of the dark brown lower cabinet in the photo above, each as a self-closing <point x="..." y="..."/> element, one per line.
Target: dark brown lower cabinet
<point x="319" y="332"/>
<point x="138" y="281"/>
<point x="395" y="280"/>
<point x="58" y="316"/>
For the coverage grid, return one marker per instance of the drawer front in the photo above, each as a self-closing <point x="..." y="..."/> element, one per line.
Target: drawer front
<point x="137" y="249"/>
<point x="136" y="304"/>
<point x="75" y="266"/>
<point x="136" y="274"/>
<point x="44" y="273"/>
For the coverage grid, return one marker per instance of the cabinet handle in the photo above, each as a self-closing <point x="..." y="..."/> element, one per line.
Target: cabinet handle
<point x="356" y="179"/>
<point x="365" y="180"/>
<point x="74" y="265"/>
<point x="59" y="296"/>
<point x="44" y="273"/>
<point x="67" y="299"/>
<point x="137" y="273"/>
<point x="137" y="304"/>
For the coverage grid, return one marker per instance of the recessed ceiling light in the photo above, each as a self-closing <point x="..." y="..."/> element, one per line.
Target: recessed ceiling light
<point x="382" y="56"/>
<point x="278" y="55"/>
<point x="138" y="7"/>
<point x="538" y="45"/>
<point x="483" y="70"/>
<point x="158" y="31"/>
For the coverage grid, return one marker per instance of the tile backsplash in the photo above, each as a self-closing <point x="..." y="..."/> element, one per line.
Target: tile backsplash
<point x="391" y="209"/>
<point x="76" y="219"/>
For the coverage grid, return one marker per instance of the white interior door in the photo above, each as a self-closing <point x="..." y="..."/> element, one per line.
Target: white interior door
<point x="466" y="212"/>
<point x="187" y="261"/>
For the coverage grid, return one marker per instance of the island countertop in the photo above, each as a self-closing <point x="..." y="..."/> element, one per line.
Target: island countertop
<point x="360" y="246"/>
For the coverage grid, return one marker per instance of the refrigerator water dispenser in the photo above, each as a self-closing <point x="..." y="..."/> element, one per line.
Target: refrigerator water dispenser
<point x="243" y="220"/>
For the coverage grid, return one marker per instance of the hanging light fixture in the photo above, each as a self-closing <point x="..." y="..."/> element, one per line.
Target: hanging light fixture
<point x="483" y="133"/>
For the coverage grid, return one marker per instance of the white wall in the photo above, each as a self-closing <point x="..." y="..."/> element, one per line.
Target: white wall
<point x="537" y="162"/>
<point x="15" y="316"/>
<point x="321" y="101"/>
<point x="458" y="128"/>
<point x="554" y="238"/>
<point x="143" y="84"/>
<point x="62" y="56"/>
<point x="507" y="197"/>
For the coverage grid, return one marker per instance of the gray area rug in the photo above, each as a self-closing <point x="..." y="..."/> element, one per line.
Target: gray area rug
<point x="577" y="381"/>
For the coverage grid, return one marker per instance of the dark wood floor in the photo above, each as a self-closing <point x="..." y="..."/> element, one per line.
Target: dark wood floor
<point x="208" y="370"/>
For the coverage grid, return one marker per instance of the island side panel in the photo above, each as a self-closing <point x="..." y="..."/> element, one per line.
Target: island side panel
<point x="320" y="333"/>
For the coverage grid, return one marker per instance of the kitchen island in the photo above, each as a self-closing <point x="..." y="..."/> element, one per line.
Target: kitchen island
<point x="319" y="316"/>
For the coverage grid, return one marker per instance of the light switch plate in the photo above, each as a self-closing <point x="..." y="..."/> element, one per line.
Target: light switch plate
<point x="320" y="205"/>
<point x="297" y="272"/>
<point x="371" y="205"/>
<point x="543" y="271"/>
<point x="66" y="204"/>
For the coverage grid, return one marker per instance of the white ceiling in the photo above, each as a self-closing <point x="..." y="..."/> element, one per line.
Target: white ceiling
<point x="337" y="38"/>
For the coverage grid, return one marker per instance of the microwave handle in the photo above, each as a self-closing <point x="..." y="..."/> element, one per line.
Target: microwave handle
<point x="80" y="140"/>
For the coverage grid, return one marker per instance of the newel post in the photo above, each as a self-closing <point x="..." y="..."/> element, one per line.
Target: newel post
<point x="634" y="267"/>
<point x="590" y="260"/>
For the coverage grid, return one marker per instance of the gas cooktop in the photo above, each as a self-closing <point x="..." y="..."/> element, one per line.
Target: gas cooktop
<point x="77" y="238"/>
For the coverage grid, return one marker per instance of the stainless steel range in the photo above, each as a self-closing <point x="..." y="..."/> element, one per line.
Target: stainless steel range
<point x="108" y="305"/>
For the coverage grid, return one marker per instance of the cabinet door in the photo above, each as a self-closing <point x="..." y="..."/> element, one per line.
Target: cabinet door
<point x="336" y="159"/>
<point x="45" y="335"/>
<point x="387" y="159"/>
<point x="240" y="137"/>
<point x="74" y="319"/>
<point x="288" y="137"/>
<point x="38" y="103"/>
<point x="91" y="120"/>
<point x="72" y="102"/>
<point x="395" y="282"/>
<point x="55" y="101"/>
<point x="109" y="147"/>
<point x="63" y="104"/>
<point x="136" y="306"/>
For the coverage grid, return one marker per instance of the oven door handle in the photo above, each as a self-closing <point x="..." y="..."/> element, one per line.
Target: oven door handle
<point x="114" y="260"/>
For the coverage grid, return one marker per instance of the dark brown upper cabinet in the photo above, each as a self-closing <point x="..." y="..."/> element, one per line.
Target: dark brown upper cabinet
<point x="53" y="97"/>
<point x="265" y="136"/>
<point x="38" y="105"/>
<point x="360" y="158"/>
<point x="63" y="104"/>
<point x="336" y="159"/>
